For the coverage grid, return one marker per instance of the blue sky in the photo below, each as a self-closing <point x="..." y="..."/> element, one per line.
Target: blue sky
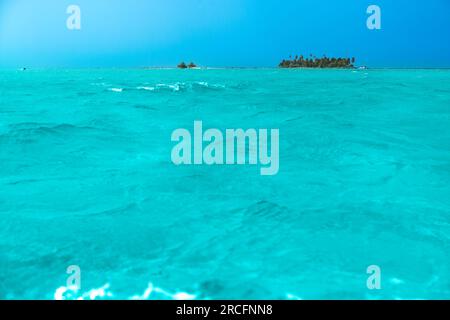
<point x="415" y="33"/>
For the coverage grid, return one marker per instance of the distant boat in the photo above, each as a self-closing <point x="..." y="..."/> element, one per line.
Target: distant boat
<point x="23" y="69"/>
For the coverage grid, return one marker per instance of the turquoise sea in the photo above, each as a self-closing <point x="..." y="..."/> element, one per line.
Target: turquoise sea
<point x="86" y="179"/>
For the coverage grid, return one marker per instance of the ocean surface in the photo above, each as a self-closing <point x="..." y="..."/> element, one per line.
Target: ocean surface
<point x="86" y="179"/>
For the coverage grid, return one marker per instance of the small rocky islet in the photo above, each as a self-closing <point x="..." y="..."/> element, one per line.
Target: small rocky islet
<point x="183" y="65"/>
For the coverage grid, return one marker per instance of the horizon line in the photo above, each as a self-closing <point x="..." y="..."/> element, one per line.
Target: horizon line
<point x="219" y="68"/>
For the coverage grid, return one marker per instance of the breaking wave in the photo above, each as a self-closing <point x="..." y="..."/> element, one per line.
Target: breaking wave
<point x="104" y="292"/>
<point x="116" y="89"/>
<point x="165" y="87"/>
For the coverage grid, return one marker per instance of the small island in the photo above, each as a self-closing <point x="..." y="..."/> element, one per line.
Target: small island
<point x="183" y="65"/>
<point x="314" y="62"/>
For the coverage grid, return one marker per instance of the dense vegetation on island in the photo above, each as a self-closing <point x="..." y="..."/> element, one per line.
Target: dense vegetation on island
<point x="314" y="62"/>
<point x="183" y="65"/>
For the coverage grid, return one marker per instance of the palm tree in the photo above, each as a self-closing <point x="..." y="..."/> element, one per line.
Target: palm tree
<point x="314" y="62"/>
<point x="182" y="65"/>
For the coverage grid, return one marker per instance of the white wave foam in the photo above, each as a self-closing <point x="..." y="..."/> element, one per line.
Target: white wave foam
<point x="73" y="293"/>
<point x="99" y="84"/>
<point x="178" y="86"/>
<point x="174" y="87"/>
<point x="145" y="295"/>
<point x="146" y="88"/>
<point x="208" y="85"/>
<point x="156" y="293"/>
<point x="116" y="89"/>
<point x="292" y="297"/>
<point x="162" y="293"/>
